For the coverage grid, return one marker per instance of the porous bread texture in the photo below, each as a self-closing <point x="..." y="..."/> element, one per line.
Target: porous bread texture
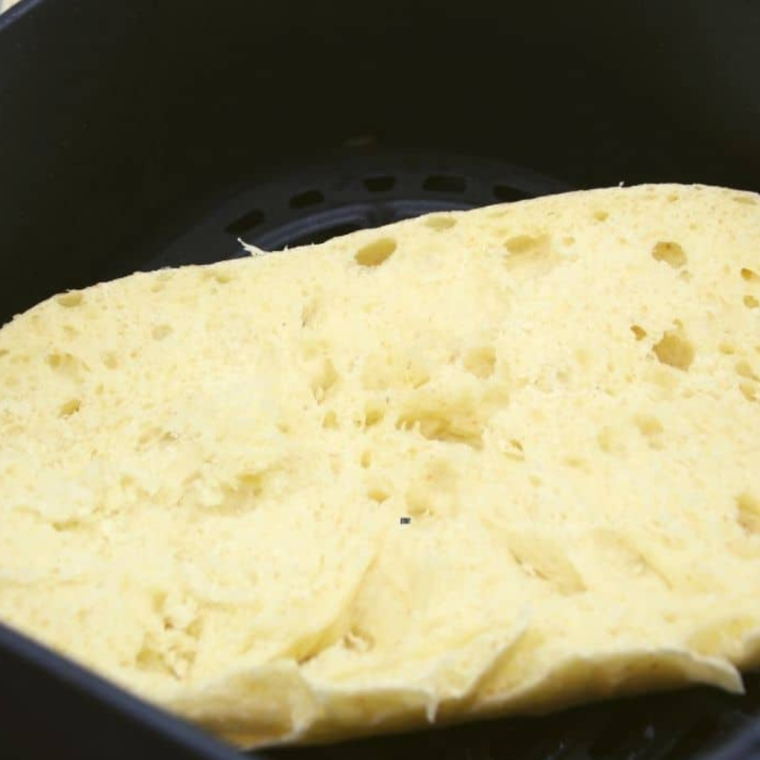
<point x="203" y="470"/>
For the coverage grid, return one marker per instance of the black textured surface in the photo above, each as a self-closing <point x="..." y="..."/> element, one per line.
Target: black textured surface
<point x="156" y="132"/>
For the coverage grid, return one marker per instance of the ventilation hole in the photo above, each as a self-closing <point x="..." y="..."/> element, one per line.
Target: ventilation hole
<point x="440" y="222"/>
<point x="749" y="391"/>
<point x="669" y="252"/>
<point x="748" y="513"/>
<point x="372" y="416"/>
<point x="480" y="362"/>
<point x="375" y="253"/>
<point x="675" y="350"/>
<point x="639" y="332"/>
<point x="673" y="198"/>
<point x="366" y="459"/>
<point x="378" y="495"/>
<point x="444" y="183"/>
<point x="601" y="216"/>
<point x="509" y="194"/>
<point x="726" y="348"/>
<point x="748" y="275"/>
<point x="111" y="360"/>
<point x="4" y="352"/>
<point x="307" y="198"/>
<point x="70" y="300"/>
<point x="69" y="408"/>
<point x="751" y="302"/>
<point x="246" y="223"/>
<point x="743" y="369"/>
<point x="223" y="278"/>
<point x="330" y="421"/>
<point x="379" y="184"/>
<point x="161" y="331"/>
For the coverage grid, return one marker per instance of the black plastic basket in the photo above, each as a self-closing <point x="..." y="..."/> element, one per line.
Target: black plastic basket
<point x="159" y="132"/>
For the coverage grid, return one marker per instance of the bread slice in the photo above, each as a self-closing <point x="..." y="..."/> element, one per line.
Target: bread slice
<point x="476" y="463"/>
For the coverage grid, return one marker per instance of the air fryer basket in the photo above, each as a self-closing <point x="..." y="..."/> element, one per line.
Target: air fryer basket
<point x="160" y="132"/>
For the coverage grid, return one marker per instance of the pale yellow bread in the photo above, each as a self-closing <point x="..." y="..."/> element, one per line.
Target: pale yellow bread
<point x="203" y="471"/>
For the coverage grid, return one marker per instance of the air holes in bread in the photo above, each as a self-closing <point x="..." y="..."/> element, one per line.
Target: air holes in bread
<point x="670" y="253"/>
<point x="70" y="300"/>
<point x="376" y="253"/>
<point x="748" y="513"/>
<point x="324" y="380"/>
<point x="69" y="408"/>
<point x="530" y="255"/>
<point x="480" y="361"/>
<point x="675" y="350"/>
<point x="440" y="222"/>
